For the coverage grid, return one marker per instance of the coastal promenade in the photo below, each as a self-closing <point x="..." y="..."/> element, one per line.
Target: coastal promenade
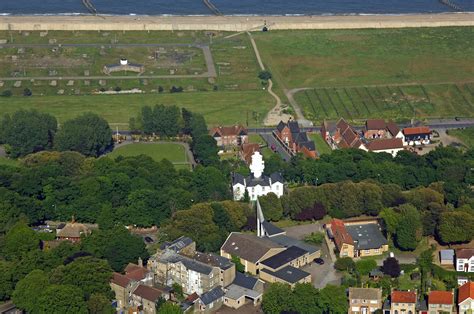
<point x="230" y="23"/>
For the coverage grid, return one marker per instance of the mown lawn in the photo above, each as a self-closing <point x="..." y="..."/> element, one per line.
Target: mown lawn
<point x="321" y="146"/>
<point x="157" y="151"/>
<point x="465" y="135"/>
<point x="313" y="58"/>
<point x="218" y="108"/>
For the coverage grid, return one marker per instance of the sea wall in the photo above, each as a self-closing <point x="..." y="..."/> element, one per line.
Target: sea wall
<point x="229" y="23"/>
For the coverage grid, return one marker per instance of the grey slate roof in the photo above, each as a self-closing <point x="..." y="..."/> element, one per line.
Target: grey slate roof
<point x="213" y="259"/>
<point x="245" y="281"/>
<point x="248" y="246"/>
<point x="287" y="241"/>
<point x="276" y="177"/>
<point x="294" y="127"/>
<point x="366" y="236"/>
<point x="281" y="126"/>
<point x="178" y="244"/>
<point x="252" y="181"/>
<point x="289" y="274"/>
<point x="212" y="295"/>
<point x="282" y="258"/>
<point x="238" y="178"/>
<point x="189" y="263"/>
<point x="271" y="229"/>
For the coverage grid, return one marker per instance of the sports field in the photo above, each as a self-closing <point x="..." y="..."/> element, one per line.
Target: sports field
<point x="158" y="151"/>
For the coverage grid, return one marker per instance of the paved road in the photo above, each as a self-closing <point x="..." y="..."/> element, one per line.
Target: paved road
<point x="299" y="113"/>
<point x="271" y="140"/>
<point x="211" y="68"/>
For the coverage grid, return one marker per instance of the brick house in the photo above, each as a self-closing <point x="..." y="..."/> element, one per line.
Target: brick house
<point x="440" y="302"/>
<point x="416" y="135"/>
<point x="341" y="135"/>
<point x="144" y="299"/>
<point x="403" y="302"/>
<point x="364" y="300"/>
<point x="465" y="260"/>
<point x="379" y="129"/>
<point x="297" y="141"/>
<point x="227" y="137"/>
<point x="466" y="298"/>
<point x="247" y="150"/>
<point x="357" y="239"/>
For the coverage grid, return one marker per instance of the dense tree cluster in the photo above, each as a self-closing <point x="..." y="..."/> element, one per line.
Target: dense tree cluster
<point x="132" y="190"/>
<point x="304" y="299"/>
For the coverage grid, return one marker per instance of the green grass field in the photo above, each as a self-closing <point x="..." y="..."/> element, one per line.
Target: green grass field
<point x="8" y="162"/>
<point x="321" y="146"/>
<point x="465" y="135"/>
<point x="368" y="56"/>
<point x="217" y="107"/>
<point x="396" y="102"/>
<point x="158" y="151"/>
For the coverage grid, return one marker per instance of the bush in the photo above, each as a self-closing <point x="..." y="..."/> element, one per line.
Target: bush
<point x="265" y="75"/>
<point x="344" y="264"/>
<point x="160" y="89"/>
<point x="7" y="93"/>
<point x="175" y="89"/>
<point x="364" y="266"/>
<point x="27" y="92"/>
<point x="391" y="267"/>
<point x="315" y="237"/>
<point x="118" y="89"/>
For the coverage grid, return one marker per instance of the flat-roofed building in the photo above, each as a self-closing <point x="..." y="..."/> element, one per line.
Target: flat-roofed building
<point x="288" y="275"/>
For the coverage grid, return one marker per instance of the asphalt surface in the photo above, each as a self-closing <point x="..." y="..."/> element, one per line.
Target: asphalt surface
<point x="272" y="141"/>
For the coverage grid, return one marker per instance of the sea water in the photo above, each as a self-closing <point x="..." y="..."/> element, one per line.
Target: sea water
<point x="232" y="7"/>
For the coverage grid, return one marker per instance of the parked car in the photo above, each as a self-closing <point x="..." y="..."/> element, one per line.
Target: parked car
<point x="148" y="240"/>
<point x="319" y="261"/>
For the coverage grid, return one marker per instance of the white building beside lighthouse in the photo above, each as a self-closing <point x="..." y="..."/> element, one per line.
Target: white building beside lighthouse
<point x="256" y="184"/>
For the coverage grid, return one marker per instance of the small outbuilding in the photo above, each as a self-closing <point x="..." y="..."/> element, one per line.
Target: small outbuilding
<point x="446" y="257"/>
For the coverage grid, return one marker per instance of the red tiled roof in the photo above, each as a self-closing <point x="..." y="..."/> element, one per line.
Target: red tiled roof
<point x="375" y="124"/>
<point x="228" y="130"/>
<point x="192" y="297"/>
<point x="464" y="253"/>
<point x="416" y="130"/>
<point x="340" y="233"/>
<point x="148" y="293"/>
<point x="383" y="144"/>
<point x="403" y="297"/>
<point x="120" y="280"/>
<point x="466" y="291"/>
<point x="440" y="297"/>
<point x="248" y="150"/>
<point x="393" y="128"/>
<point x="135" y="272"/>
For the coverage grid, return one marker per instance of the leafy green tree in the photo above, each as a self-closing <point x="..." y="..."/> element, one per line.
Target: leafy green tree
<point x="58" y="299"/>
<point x="271" y="207"/>
<point x="265" y="75"/>
<point x="6" y="280"/>
<point x="315" y="238"/>
<point x="27" y="132"/>
<point x="238" y="265"/>
<point x="456" y="227"/>
<point x="90" y="274"/>
<point x="117" y="246"/>
<point x="210" y="184"/>
<point x="169" y="308"/>
<point x="391" y="219"/>
<point x="205" y="150"/>
<point x="333" y="299"/>
<point x="364" y="266"/>
<point x="344" y="264"/>
<point x="99" y="304"/>
<point x="87" y="134"/>
<point x="178" y="290"/>
<point x="409" y="229"/>
<point x="19" y="239"/>
<point x="29" y="290"/>
<point x="277" y="299"/>
<point x="306" y="299"/>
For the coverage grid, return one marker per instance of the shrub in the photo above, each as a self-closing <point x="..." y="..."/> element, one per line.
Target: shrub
<point x="175" y="89"/>
<point x="27" y="92"/>
<point x="317" y="212"/>
<point x="364" y="266"/>
<point x="7" y="93"/>
<point x="391" y="267"/>
<point x="265" y="75"/>
<point x="344" y="264"/>
<point x="118" y="89"/>
<point x="315" y="237"/>
<point x="160" y="89"/>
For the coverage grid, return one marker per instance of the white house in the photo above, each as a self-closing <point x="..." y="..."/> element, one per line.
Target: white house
<point x="466" y="298"/>
<point x="256" y="184"/>
<point x="465" y="260"/>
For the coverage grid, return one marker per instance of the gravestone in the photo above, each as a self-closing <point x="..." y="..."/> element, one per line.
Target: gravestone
<point x="87" y="83"/>
<point x="70" y="83"/>
<point x="102" y="82"/>
<point x="14" y="58"/>
<point x="61" y="92"/>
<point x="53" y="83"/>
<point x="3" y="41"/>
<point x="2" y="83"/>
<point x="21" y="50"/>
<point x="17" y="84"/>
<point x="43" y="34"/>
<point x="52" y="72"/>
<point x="52" y="41"/>
<point x="86" y="72"/>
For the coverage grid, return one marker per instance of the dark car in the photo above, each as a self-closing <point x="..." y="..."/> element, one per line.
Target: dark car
<point x="148" y="240"/>
<point x="319" y="261"/>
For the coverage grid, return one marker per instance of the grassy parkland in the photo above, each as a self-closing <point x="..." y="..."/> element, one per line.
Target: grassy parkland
<point x="356" y="74"/>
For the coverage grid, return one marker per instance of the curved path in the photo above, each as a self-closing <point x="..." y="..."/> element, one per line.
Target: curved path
<point x="299" y="112"/>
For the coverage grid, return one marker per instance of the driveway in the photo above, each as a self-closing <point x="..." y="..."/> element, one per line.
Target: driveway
<point x="322" y="275"/>
<point x="271" y="141"/>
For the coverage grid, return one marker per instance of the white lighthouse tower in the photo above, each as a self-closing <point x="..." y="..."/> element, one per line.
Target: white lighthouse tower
<point x="258" y="165"/>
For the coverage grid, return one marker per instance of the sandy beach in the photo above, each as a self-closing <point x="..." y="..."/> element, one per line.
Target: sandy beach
<point x="231" y="23"/>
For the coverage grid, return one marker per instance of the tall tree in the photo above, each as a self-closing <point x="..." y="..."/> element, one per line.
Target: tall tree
<point x="271" y="207"/>
<point x="277" y="299"/>
<point x="306" y="299"/>
<point x="27" y="132"/>
<point x="99" y="304"/>
<point x="87" y="134"/>
<point x="456" y="227"/>
<point x="29" y="290"/>
<point x="19" y="240"/>
<point x="409" y="229"/>
<point x="391" y="267"/>
<point x="58" y="299"/>
<point x="332" y="299"/>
